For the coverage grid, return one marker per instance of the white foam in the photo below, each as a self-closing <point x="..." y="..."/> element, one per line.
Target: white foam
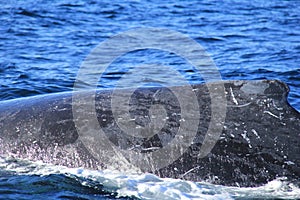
<point x="149" y="186"/>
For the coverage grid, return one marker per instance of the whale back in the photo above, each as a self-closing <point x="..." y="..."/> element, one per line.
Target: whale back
<point x="259" y="142"/>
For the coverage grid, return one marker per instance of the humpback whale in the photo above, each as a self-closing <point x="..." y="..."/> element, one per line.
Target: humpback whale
<point x="260" y="138"/>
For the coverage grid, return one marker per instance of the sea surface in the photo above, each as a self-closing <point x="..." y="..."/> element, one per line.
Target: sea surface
<point x="43" y="44"/>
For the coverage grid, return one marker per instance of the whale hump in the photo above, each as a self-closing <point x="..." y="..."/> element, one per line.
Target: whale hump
<point x="259" y="140"/>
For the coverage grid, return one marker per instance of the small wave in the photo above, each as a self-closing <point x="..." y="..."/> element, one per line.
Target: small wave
<point x="28" y="13"/>
<point x="209" y="39"/>
<point x="149" y="186"/>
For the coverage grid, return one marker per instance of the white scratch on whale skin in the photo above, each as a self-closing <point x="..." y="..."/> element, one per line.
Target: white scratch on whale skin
<point x="233" y="97"/>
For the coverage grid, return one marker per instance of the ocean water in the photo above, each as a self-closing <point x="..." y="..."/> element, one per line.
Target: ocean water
<point x="42" y="46"/>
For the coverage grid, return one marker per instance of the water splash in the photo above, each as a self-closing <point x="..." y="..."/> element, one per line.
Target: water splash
<point x="148" y="186"/>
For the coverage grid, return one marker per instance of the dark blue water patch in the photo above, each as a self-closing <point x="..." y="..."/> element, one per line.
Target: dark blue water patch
<point x="28" y="13"/>
<point x="149" y="59"/>
<point x="26" y="81"/>
<point x="53" y="186"/>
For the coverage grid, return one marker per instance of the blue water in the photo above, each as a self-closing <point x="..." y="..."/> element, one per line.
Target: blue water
<point x="43" y="43"/>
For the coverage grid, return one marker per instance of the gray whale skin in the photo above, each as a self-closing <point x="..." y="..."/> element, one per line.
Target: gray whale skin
<point x="260" y="140"/>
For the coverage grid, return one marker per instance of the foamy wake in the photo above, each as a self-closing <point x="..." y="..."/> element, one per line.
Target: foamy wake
<point x="148" y="186"/>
